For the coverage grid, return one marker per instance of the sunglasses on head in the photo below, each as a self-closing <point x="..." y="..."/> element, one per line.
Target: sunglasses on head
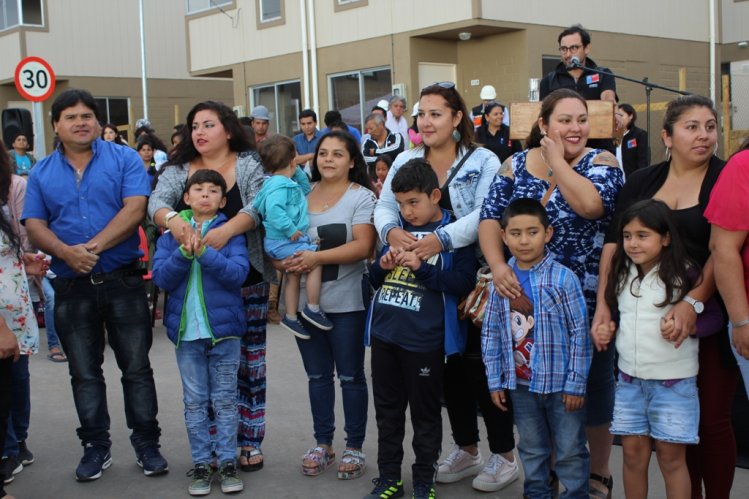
<point x="448" y="85"/>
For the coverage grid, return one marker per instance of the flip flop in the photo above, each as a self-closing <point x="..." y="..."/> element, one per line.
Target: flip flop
<point x="57" y="357"/>
<point x="249" y="454"/>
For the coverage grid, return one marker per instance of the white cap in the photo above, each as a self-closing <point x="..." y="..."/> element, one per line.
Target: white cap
<point x="488" y="93"/>
<point x="383" y="104"/>
<point x="415" y="110"/>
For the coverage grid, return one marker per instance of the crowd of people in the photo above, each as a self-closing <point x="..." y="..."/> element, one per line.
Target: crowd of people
<point x="613" y="303"/>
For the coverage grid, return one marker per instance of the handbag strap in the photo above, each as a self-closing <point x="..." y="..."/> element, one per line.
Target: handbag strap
<point x="459" y="165"/>
<point x="549" y="191"/>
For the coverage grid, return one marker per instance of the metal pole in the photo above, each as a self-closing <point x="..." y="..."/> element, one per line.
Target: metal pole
<point x="143" y="62"/>
<point x="40" y="147"/>
<point x="712" y="49"/>
<point x="305" y="56"/>
<point x="313" y="59"/>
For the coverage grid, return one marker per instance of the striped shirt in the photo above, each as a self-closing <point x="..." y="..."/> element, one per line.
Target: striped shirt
<point x="562" y="351"/>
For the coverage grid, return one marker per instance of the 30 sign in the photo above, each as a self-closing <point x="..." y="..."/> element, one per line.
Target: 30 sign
<point x="35" y="80"/>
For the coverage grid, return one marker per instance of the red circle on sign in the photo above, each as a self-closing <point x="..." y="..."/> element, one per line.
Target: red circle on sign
<point x="34" y="78"/>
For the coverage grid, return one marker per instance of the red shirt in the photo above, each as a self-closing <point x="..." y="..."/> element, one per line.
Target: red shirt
<point x="729" y="203"/>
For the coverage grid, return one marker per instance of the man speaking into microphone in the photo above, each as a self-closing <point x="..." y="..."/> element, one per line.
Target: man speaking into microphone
<point x="573" y="72"/>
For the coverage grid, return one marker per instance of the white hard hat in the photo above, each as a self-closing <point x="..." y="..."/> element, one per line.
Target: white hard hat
<point x="260" y="113"/>
<point x="488" y="93"/>
<point x="415" y="110"/>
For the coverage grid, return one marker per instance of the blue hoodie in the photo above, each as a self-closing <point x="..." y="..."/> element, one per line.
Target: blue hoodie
<point x="220" y="278"/>
<point x="282" y="204"/>
<point x="420" y="313"/>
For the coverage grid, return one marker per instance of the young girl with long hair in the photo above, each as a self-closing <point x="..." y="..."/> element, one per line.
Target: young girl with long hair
<point x="656" y="395"/>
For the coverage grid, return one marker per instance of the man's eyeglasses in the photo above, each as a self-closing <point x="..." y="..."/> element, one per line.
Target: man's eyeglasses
<point x="571" y="49"/>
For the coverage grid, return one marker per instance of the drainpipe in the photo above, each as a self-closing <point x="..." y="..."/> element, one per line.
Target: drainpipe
<point x="143" y="62"/>
<point x="305" y="56"/>
<point x="313" y="49"/>
<point x="712" y="49"/>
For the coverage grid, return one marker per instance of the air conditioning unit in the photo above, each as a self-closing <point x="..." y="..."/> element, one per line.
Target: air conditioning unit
<point x="399" y="89"/>
<point x="238" y="110"/>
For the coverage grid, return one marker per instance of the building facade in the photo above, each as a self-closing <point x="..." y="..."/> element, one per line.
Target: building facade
<point x="95" y="45"/>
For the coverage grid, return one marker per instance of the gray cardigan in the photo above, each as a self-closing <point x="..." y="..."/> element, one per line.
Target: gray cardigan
<point x="250" y="177"/>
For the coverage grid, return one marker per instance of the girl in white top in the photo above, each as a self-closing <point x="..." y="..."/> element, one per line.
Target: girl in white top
<point x="656" y="394"/>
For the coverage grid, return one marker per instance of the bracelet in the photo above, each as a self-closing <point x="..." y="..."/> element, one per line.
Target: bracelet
<point x="736" y="325"/>
<point x="168" y="217"/>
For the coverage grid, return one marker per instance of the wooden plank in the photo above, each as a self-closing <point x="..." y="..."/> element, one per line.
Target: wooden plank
<point x="600" y="115"/>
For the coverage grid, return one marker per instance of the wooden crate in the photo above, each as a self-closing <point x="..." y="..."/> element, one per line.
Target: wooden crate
<point x="600" y="114"/>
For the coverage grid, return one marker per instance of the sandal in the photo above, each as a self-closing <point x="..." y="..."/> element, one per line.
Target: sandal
<point x="607" y="482"/>
<point x="248" y="455"/>
<point x="57" y="356"/>
<point x="355" y="458"/>
<point x="321" y="458"/>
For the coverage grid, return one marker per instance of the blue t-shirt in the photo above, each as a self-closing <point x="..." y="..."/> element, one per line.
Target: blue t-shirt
<point x="23" y="164"/>
<point x="522" y="322"/>
<point x="76" y="212"/>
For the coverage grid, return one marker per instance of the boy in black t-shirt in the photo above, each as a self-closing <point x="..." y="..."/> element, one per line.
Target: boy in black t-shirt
<point x="413" y="324"/>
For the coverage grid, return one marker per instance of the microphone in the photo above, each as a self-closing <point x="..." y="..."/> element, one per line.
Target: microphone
<point x="574" y="63"/>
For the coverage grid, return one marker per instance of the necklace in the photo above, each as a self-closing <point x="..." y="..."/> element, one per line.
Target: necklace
<point x="219" y="167"/>
<point x="549" y="171"/>
<point x="332" y="200"/>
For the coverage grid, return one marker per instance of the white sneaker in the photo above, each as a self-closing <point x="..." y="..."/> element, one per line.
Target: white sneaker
<point x="458" y="465"/>
<point x="497" y="474"/>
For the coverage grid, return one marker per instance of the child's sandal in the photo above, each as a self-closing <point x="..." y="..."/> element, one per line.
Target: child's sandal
<point x="321" y="458"/>
<point x="355" y="458"/>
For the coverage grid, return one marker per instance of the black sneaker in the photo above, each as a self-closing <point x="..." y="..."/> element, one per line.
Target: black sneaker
<point x="423" y="490"/>
<point x="96" y="458"/>
<point x="24" y="454"/>
<point x="151" y="460"/>
<point x="10" y="466"/>
<point x="385" y="489"/>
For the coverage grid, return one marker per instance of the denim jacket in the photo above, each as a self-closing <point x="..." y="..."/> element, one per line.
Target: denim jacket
<point x="467" y="191"/>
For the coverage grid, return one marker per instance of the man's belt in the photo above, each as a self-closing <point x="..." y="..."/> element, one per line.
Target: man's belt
<point x="97" y="278"/>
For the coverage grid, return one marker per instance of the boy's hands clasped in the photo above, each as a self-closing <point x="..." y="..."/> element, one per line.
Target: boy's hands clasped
<point x="195" y="246"/>
<point x="396" y="256"/>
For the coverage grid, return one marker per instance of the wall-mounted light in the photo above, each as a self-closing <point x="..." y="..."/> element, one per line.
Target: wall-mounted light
<point x="464" y="35"/>
<point x="743" y="45"/>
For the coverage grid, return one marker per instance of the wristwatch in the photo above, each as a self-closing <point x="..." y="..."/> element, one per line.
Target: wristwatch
<point x="699" y="307"/>
<point x="168" y="217"/>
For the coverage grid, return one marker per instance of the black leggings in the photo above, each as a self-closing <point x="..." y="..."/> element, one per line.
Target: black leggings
<point x="5" y="399"/>
<point x="466" y="390"/>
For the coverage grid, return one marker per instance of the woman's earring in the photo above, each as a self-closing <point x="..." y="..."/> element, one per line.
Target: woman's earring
<point x="668" y="154"/>
<point x="456" y="135"/>
<point x="715" y="151"/>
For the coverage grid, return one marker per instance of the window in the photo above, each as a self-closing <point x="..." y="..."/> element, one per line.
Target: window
<point x="201" y="5"/>
<point x="340" y="5"/>
<point x="355" y="94"/>
<point x="283" y="101"/>
<point x="270" y="10"/>
<point x="114" y="110"/>
<point x="20" y="13"/>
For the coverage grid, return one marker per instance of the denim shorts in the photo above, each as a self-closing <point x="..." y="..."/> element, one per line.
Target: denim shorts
<point x="650" y="407"/>
<point x="279" y="249"/>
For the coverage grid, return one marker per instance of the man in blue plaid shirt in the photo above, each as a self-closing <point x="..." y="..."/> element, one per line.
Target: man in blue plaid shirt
<point x="537" y="345"/>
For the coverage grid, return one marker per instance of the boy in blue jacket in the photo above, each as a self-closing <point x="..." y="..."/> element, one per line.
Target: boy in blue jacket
<point x="282" y="204"/>
<point x="413" y="325"/>
<point x="205" y="319"/>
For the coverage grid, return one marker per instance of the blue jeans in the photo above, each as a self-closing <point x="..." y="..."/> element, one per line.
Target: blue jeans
<point x="338" y="351"/>
<point x="20" y="406"/>
<point x="209" y="377"/>
<point x="82" y="310"/>
<point x="53" y="341"/>
<point x="545" y="426"/>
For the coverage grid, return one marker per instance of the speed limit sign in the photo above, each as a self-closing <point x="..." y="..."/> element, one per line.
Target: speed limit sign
<point x="35" y="80"/>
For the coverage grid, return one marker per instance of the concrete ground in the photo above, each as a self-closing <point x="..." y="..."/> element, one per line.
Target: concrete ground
<point x="289" y="434"/>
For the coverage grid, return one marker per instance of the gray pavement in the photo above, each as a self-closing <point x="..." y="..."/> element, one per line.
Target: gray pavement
<point x="289" y="434"/>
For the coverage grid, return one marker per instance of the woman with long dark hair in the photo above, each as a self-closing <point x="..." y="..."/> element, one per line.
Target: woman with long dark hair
<point x="340" y="208"/>
<point x="495" y="135"/>
<point x="216" y="141"/>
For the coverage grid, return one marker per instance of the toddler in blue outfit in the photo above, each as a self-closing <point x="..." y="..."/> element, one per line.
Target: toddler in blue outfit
<point x="282" y="203"/>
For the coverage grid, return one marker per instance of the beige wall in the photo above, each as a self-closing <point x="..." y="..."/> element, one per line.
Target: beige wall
<point x="101" y="38"/>
<point x="681" y="19"/>
<point x="734" y="21"/>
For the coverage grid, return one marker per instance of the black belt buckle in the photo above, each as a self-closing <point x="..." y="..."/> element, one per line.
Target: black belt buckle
<point x="96" y="279"/>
